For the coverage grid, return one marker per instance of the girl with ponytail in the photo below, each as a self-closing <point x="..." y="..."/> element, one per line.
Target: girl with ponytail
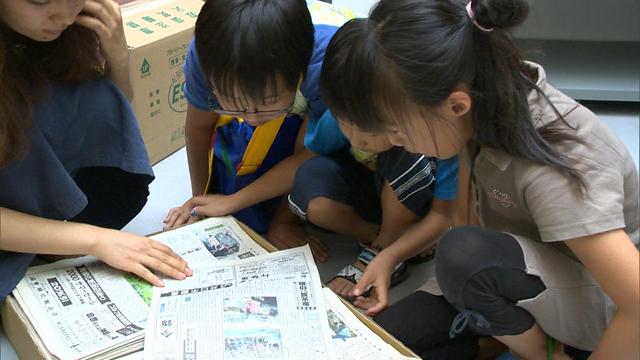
<point x="554" y="258"/>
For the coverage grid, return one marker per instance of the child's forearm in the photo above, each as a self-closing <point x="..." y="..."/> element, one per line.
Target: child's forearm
<point x="422" y="234"/>
<point x="199" y="127"/>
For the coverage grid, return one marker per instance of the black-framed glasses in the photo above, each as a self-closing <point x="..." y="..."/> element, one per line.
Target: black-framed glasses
<point x="241" y="113"/>
<point x="215" y="107"/>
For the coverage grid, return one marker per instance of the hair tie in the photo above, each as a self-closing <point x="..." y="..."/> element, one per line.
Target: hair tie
<point x="472" y="16"/>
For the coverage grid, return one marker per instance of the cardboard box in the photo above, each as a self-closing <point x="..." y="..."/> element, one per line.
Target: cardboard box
<point x="28" y="344"/>
<point x="158" y="34"/>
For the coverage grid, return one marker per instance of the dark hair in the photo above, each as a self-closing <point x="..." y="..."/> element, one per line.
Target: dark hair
<point x="28" y="67"/>
<point x="419" y="51"/>
<point x="246" y="44"/>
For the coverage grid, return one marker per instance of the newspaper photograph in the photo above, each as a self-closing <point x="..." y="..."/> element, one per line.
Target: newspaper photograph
<point x="271" y="307"/>
<point x="218" y="238"/>
<point x="352" y="339"/>
<point x="82" y="308"/>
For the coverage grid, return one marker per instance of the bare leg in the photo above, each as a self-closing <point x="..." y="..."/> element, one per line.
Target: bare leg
<point x="532" y="345"/>
<point x="342" y="219"/>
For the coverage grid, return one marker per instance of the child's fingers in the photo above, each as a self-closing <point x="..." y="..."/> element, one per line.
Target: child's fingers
<point x="182" y="219"/>
<point x="381" y="291"/>
<point x="378" y="307"/>
<point x="364" y="302"/>
<point x="169" y="214"/>
<point x="177" y="216"/>
<point x="363" y="285"/>
<point x="172" y="217"/>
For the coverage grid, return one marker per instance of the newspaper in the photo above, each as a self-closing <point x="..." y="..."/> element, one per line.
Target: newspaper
<point x="81" y="308"/>
<point x="352" y="339"/>
<point x="271" y="307"/>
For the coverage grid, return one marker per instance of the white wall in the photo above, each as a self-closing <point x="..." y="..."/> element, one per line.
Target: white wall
<point x="360" y="6"/>
<point x="585" y="20"/>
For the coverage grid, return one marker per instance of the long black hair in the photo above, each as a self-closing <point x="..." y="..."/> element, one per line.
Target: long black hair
<point x="416" y="52"/>
<point x="28" y="68"/>
<point x="244" y="45"/>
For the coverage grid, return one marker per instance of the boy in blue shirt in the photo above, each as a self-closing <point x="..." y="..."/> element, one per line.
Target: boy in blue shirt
<point x="252" y="75"/>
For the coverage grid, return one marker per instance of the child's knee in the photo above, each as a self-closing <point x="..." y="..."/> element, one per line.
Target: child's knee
<point x="319" y="208"/>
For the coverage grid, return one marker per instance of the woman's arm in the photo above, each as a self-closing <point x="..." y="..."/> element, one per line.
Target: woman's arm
<point x="24" y="233"/>
<point x="613" y="261"/>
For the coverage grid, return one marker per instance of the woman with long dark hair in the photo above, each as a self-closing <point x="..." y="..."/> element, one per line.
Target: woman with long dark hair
<point x="70" y="146"/>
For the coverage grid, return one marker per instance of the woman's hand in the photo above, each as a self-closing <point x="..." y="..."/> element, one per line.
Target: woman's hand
<point x="138" y="255"/>
<point x="105" y="19"/>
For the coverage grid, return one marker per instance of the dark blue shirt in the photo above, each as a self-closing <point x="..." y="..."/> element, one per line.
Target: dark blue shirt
<point x="89" y="124"/>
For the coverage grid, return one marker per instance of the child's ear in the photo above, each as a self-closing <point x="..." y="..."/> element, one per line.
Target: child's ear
<point x="457" y="104"/>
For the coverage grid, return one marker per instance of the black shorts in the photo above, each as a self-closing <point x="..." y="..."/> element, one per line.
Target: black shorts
<point x="341" y="178"/>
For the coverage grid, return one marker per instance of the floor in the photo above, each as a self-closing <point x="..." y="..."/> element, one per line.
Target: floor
<point x="171" y="188"/>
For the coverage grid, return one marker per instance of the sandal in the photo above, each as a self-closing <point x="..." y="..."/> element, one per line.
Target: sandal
<point x="353" y="274"/>
<point x="419" y="259"/>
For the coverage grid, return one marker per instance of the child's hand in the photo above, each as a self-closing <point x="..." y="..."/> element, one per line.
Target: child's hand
<point x="139" y="255"/>
<point x="285" y="235"/>
<point x="378" y="275"/>
<point x="198" y="207"/>
<point x="105" y="19"/>
<point x="181" y="215"/>
<point x="213" y="205"/>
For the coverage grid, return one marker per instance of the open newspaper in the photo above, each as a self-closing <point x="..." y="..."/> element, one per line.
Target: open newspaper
<point x="83" y="309"/>
<point x="268" y="307"/>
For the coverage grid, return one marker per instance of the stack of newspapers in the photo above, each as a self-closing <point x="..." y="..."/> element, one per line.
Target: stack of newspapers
<point x="241" y="303"/>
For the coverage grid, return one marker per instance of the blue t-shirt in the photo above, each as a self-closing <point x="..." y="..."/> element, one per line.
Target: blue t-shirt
<point x="446" y="174"/>
<point x="76" y="126"/>
<point x="445" y="171"/>
<point x="325" y="137"/>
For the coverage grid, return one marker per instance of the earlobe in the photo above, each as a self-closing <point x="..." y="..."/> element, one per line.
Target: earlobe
<point x="459" y="103"/>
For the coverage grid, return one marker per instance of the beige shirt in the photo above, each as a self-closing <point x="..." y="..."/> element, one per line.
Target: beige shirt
<point x="542" y="207"/>
<point x="526" y="198"/>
